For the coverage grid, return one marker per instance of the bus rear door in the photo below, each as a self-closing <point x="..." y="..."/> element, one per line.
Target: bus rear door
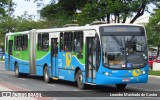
<point x="10" y="54"/>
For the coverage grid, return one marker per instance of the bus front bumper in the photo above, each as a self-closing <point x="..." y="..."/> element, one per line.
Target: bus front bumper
<point x="102" y="79"/>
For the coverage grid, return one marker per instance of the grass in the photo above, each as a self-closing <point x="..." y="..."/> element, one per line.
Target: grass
<point x="1" y="59"/>
<point x="151" y="72"/>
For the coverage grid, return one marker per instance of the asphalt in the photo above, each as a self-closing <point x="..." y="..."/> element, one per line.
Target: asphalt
<point x="69" y="91"/>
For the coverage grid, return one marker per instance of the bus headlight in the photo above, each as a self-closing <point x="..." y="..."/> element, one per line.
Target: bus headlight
<point x="143" y="72"/>
<point x="108" y="74"/>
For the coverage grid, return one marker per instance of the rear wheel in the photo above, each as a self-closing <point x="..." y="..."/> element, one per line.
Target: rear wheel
<point x="47" y="79"/>
<point x="17" y="74"/>
<point x="79" y="79"/>
<point x="121" y="86"/>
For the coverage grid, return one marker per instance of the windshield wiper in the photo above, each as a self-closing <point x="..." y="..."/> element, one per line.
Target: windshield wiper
<point x="117" y="41"/>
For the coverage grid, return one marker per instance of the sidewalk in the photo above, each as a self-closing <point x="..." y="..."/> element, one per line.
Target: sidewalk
<point x="1" y="61"/>
<point x="2" y="88"/>
<point x="5" y="94"/>
<point x="154" y="76"/>
<point x="8" y="90"/>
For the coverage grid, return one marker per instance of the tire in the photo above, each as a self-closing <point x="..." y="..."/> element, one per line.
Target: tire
<point x="17" y="74"/>
<point x="47" y="79"/>
<point x="79" y="79"/>
<point x="121" y="86"/>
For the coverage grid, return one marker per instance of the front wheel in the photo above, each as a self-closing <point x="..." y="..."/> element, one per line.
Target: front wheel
<point x="121" y="86"/>
<point x="47" y="79"/>
<point x="80" y="83"/>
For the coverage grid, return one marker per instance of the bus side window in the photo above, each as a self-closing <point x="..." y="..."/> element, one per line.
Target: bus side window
<point x="67" y="41"/>
<point x="6" y="48"/>
<point x="61" y="42"/>
<point x="39" y="47"/>
<point x="98" y="52"/>
<point x="78" y="41"/>
<point x="21" y="42"/>
<point x="25" y="42"/>
<point x="45" y="42"/>
<point x="15" y="43"/>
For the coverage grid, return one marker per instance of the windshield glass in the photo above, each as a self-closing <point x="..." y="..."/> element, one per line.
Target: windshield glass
<point x="124" y="51"/>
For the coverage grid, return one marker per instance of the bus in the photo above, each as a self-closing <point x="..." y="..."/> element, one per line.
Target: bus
<point x="103" y="54"/>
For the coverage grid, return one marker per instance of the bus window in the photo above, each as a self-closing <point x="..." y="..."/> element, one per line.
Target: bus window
<point x="21" y="42"/>
<point x="78" y="41"/>
<point x="45" y="42"/>
<point x="25" y="42"/>
<point x="39" y="42"/>
<point x="6" y="43"/>
<point x="61" y="42"/>
<point x="68" y="41"/>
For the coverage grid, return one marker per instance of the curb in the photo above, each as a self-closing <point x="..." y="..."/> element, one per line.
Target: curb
<point x="154" y="76"/>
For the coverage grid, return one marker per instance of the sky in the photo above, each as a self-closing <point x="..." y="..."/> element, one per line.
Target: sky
<point x="32" y="8"/>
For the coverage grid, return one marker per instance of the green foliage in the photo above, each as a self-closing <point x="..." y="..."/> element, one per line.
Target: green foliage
<point x="153" y="29"/>
<point x="4" y="7"/>
<point x="62" y="12"/>
<point x="86" y="11"/>
<point x="11" y="24"/>
<point x="116" y="10"/>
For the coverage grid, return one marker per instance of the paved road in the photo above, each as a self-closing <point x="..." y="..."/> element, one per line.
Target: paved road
<point x="34" y="83"/>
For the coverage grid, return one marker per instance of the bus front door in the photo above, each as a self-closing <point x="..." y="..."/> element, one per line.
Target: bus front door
<point x="10" y="53"/>
<point x="54" y="57"/>
<point x="90" y="60"/>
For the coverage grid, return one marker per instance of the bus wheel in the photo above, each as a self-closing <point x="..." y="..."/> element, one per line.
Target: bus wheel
<point x="121" y="86"/>
<point x="17" y="74"/>
<point x="80" y="83"/>
<point x="46" y="75"/>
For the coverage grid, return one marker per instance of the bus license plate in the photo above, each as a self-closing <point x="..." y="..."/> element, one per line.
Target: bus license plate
<point x="125" y="80"/>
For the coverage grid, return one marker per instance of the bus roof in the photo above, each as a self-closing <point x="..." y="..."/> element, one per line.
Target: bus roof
<point x="72" y="28"/>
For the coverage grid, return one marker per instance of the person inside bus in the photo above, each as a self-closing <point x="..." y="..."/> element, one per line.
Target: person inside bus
<point x="129" y="48"/>
<point x="77" y="45"/>
<point x="65" y="48"/>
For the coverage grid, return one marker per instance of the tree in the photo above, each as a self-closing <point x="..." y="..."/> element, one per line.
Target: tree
<point x="153" y="29"/>
<point x="4" y="5"/>
<point x="11" y="24"/>
<point x="86" y="11"/>
<point x="115" y="10"/>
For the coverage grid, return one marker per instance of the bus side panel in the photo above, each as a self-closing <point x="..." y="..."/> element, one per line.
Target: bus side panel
<point x="22" y="65"/>
<point x="24" y="68"/>
<point x="67" y="63"/>
<point x="66" y="74"/>
<point x="39" y="70"/>
<point x="45" y="60"/>
<point x="21" y="57"/>
<point x="12" y="63"/>
<point x="6" y="61"/>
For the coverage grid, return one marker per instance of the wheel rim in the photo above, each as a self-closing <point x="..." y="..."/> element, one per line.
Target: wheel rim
<point x="46" y="75"/>
<point x="80" y="79"/>
<point x="16" y="71"/>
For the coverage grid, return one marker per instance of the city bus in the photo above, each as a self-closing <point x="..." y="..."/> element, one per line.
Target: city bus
<point x="103" y="54"/>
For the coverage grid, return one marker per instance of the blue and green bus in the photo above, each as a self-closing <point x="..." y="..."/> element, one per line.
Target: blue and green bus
<point x="103" y="54"/>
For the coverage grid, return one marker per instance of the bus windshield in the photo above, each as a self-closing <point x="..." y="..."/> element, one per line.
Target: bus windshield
<point x="124" y="51"/>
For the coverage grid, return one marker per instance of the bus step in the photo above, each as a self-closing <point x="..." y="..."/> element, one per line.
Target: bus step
<point x="90" y="83"/>
<point x="54" y="78"/>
